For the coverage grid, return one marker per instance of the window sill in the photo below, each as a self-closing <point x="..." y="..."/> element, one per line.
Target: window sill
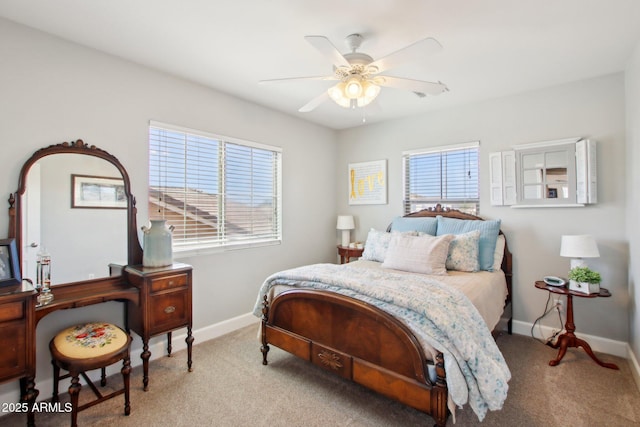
<point x="194" y="252"/>
<point x="560" y="205"/>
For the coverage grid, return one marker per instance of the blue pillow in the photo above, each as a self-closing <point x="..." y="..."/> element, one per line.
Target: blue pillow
<point x="488" y="235"/>
<point x="425" y="225"/>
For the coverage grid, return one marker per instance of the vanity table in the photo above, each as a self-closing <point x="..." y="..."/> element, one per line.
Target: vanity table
<point x="157" y="300"/>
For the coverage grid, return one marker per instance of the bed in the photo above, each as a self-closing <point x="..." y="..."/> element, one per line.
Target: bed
<point x="340" y="317"/>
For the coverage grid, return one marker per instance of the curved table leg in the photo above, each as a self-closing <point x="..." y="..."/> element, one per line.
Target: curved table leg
<point x="587" y="348"/>
<point x="568" y="339"/>
<point x="563" y="345"/>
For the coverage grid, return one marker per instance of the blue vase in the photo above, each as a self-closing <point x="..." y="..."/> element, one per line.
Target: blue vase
<point x="157" y="251"/>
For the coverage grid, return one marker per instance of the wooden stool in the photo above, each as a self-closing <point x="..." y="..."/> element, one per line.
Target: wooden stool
<point x="86" y="347"/>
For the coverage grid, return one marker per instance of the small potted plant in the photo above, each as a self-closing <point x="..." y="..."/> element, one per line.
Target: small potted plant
<point x="585" y="280"/>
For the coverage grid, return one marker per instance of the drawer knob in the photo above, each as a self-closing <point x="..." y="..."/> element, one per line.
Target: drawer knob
<point x="170" y="309"/>
<point x="170" y="282"/>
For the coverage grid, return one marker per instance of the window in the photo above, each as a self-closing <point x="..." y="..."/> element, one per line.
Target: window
<point x="446" y="175"/>
<point x="215" y="191"/>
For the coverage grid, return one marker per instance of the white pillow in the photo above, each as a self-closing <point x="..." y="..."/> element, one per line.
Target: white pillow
<point x="418" y="254"/>
<point x="377" y="244"/>
<point x="499" y="253"/>
<point x="464" y="252"/>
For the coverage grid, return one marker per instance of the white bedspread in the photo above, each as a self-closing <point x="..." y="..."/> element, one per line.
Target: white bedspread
<point x="487" y="290"/>
<point x="476" y="371"/>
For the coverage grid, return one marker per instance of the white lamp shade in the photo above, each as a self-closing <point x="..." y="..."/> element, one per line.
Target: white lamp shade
<point x="345" y="222"/>
<point x="581" y="246"/>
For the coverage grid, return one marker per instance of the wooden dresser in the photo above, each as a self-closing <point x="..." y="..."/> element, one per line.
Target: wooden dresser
<point x="17" y="353"/>
<point x="164" y="306"/>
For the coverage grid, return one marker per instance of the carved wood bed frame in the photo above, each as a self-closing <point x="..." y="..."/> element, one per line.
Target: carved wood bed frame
<point x="385" y="356"/>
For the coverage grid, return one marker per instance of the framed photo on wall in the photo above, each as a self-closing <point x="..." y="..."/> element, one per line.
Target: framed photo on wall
<point x="97" y="192"/>
<point x="9" y="266"/>
<point x="368" y="183"/>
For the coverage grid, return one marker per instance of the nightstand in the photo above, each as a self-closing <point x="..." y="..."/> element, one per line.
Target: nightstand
<point x="568" y="339"/>
<point x="346" y="253"/>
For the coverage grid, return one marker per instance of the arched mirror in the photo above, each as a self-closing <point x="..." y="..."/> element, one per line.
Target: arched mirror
<point x="74" y="202"/>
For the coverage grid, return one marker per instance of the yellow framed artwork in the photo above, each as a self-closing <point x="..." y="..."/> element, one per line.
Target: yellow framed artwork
<point x="368" y="183"/>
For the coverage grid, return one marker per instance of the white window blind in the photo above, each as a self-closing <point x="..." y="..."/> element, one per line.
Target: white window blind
<point x="215" y="191"/>
<point x="444" y="175"/>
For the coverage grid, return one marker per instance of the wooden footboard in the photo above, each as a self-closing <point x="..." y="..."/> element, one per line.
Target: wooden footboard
<point x="357" y="341"/>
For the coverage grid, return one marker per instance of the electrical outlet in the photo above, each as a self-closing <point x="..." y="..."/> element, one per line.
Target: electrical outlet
<point x="560" y="305"/>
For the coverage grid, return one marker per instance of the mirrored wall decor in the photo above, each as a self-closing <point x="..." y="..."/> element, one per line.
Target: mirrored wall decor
<point x="84" y="225"/>
<point x="558" y="173"/>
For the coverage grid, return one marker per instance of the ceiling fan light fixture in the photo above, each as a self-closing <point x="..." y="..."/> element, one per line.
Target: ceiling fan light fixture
<point x="353" y="88"/>
<point x="370" y="92"/>
<point x="337" y="93"/>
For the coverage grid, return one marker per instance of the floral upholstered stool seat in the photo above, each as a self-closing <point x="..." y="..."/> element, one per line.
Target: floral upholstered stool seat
<point x="84" y="348"/>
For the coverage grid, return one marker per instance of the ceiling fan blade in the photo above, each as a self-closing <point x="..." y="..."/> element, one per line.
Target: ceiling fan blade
<point x="327" y="48"/>
<point x="419" y="87"/>
<point x="294" y="79"/>
<point x="421" y="48"/>
<point x="311" y="105"/>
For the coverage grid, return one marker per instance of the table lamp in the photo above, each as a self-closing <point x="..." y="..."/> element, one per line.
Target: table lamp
<point x="346" y="224"/>
<point x="577" y="248"/>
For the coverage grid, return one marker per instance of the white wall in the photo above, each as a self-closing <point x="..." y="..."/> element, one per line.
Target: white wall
<point x="633" y="200"/>
<point x="593" y="108"/>
<point x="55" y="91"/>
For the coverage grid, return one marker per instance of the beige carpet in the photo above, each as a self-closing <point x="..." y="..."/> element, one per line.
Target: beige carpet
<point x="230" y="387"/>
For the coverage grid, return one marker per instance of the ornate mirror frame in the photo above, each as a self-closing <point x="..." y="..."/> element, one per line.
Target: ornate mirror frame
<point x="134" y="250"/>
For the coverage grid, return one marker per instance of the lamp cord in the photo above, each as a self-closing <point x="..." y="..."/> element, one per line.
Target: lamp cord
<point x="547" y="310"/>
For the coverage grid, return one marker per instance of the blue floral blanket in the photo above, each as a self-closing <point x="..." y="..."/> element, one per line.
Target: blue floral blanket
<point x="437" y="314"/>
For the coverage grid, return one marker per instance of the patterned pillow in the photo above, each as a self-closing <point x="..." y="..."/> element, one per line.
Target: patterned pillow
<point x="418" y="254"/>
<point x="377" y="244"/>
<point x="489" y="230"/>
<point x="463" y="252"/>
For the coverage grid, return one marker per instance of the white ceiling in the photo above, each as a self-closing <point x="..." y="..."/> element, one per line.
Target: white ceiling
<point x="492" y="48"/>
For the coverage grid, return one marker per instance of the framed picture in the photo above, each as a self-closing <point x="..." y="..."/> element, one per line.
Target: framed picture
<point x="97" y="192"/>
<point x="9" y="266"/>
<point x="368" y="183"/>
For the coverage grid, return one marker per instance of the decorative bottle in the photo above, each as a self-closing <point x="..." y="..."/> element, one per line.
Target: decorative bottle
<point x="43" y="277"/>
<point x="156" y="249"/>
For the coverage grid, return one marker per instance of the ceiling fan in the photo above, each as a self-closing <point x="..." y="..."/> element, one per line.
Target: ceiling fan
<point x="359" y="76"/>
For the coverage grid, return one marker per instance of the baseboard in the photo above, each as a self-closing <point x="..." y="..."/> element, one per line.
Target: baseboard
<point x="222" y="328"/>
<point x="598" y="344"/>
<point x="157" y="346"/>
<point x="635" y="367"/>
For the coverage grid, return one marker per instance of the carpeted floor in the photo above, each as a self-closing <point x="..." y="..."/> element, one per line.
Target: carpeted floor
<point x="230" y="387"/>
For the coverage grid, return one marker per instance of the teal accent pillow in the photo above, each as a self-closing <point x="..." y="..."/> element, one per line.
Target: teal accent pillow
<point x="489" y="230"/>
<point x="425" y="225"/>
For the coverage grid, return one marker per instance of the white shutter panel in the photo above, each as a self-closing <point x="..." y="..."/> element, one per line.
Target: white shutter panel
<point x="509" y="178"/>
<point x="495" y="179"/>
